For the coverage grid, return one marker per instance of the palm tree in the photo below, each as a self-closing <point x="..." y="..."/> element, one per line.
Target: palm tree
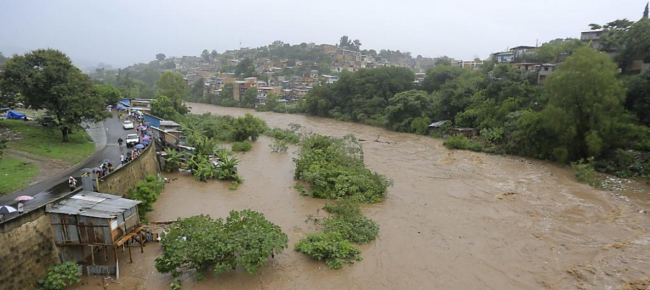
<point x="172" y="160"/>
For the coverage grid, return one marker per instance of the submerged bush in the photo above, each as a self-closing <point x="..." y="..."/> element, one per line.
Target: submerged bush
<point x="350" y="222"/>
<point x="585" y="171"/>
<point x="60" y="276"/>
<point x="330" y="247"/>
<point x="241" y="146"/>
<point x="334" y="168"/>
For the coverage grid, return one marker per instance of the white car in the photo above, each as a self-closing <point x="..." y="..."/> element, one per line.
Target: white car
<point x="132" y="140"/>
<point x="127" y="125"/>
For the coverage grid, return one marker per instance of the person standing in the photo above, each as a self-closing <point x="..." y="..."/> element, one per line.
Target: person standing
<point x="20" y="207"/>
<point x="122" y="159"/>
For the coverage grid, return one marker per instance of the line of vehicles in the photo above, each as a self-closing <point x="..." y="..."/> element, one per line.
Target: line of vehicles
<point x="131" y="139"/>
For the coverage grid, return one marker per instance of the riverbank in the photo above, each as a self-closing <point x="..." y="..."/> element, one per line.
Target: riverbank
<point x="452" y="220"/>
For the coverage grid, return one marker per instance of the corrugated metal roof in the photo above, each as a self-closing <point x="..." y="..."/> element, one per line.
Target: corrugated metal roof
<point x="93" y="204"/>
<point x="168" y="123"/>
<point x="438" y="124"/>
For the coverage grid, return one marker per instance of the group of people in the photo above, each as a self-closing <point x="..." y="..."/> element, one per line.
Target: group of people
<point x="130" y="155"/>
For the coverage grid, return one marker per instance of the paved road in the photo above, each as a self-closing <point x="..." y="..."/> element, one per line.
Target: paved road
<point x="105" y="135"/>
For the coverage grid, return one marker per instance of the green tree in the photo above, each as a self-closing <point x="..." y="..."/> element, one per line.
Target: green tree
<point x="3" y="59"/>
<point x="160" y="56"/>
<point x="173" y="86"/>
<point x="246" y="238"/>
<point x="638" y="97"/>
<point x="406" y="106"/>
<point x="108" y="92"/>
<point x="248" y="127"/>
<point x="635" y="44"/>
<point x="443" y="60"/>
<point x="197" y="89"/>
<point x="250" y="97"/>
<point x="205" y="55"/>
<point x="214" y="54"/>
<point x="585" y="111"/>
<point x="439" y="75"/>
<point x="245" y="68"/>
<point x="163" y="107"/>
<point x="46" y="79"/>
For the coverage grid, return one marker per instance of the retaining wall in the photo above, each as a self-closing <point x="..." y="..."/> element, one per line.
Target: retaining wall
<point x="124" y="178"/>
<point x="27" y="249"/>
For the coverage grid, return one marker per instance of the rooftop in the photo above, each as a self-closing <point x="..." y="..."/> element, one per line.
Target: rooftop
<point x="93" y="204"/>
<point x="169" y="123"/>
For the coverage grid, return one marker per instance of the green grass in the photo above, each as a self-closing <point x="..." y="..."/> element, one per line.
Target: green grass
<point x="47" y="141"/>
<point x="15" y="174"/>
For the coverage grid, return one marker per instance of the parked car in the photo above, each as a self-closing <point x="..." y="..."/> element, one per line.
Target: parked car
<point x="132" y="140"/>
<point x="127" y="125"/>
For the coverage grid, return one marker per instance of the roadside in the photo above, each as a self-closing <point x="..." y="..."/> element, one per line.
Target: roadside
<point x="35" y="154"/>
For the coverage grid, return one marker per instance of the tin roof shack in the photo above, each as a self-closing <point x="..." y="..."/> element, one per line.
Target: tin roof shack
<point x="437" y="126"/>
<point x="94" y="221"/>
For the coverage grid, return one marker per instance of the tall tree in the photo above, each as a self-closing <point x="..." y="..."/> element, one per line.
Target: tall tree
<point x="443" y="60"/>
<point x="214" y="54"/>
<point x="405" y="107"/>
<point x="108" y="92"/>
<point x="638" y="97"/>
<point x="205" y="55"/>
<point x="249" y="98"/>
<point x="2" y="58"/>
<point x="635" y="44"/>
<point x="344" y="41"/>
<point x="645" y="11"/>
<point x="173" y="86"/>
<point x="47" y="80"/>
<point x="197" y="89"/>
<point x="245" y="68"/>
<point x="585" y="111"/>
<point x="160" y="56"/>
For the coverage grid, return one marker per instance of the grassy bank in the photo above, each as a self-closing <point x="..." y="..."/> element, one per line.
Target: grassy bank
<point x="47" y="142"/>
<point x="15" y="174"/>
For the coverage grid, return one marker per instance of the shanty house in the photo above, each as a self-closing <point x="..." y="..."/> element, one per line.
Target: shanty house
<point x="89" y="222"/>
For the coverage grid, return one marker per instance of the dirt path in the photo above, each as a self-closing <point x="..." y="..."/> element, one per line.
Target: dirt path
<point x="47" y="167"/>
<point x="453" y="220"/>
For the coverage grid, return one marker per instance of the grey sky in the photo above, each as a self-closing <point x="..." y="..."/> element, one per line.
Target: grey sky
<point x="124" y="32"/>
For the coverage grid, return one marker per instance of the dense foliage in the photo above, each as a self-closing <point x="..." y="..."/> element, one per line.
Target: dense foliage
<point x="147" y="191"/>
<point x="246" y="238"/>
<point x="361" y="96"/>
<point x="334" y="168"/>
<point x="331" y="247"/>
<point x="60" y="276"/>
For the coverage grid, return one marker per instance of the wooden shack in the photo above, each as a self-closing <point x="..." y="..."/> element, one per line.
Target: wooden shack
<point x="89" y="222"/>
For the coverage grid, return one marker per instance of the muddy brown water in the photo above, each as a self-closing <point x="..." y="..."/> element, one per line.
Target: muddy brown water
<point x="452" y="220"/>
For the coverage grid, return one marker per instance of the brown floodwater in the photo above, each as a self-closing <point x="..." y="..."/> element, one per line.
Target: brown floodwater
<point x="452" y="220"/>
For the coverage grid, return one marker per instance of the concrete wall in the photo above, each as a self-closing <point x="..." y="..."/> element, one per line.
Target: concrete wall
<point x="124" y="178"/>
<point x="27" y="249"/>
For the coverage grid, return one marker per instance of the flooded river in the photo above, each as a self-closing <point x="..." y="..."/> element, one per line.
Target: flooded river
<point x="452" y="220"/>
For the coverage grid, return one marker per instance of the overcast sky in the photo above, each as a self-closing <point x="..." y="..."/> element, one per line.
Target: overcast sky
<point x="121" y="32"/>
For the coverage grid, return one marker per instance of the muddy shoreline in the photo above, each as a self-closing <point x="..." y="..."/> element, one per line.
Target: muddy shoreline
<point x="452" y="220"/>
